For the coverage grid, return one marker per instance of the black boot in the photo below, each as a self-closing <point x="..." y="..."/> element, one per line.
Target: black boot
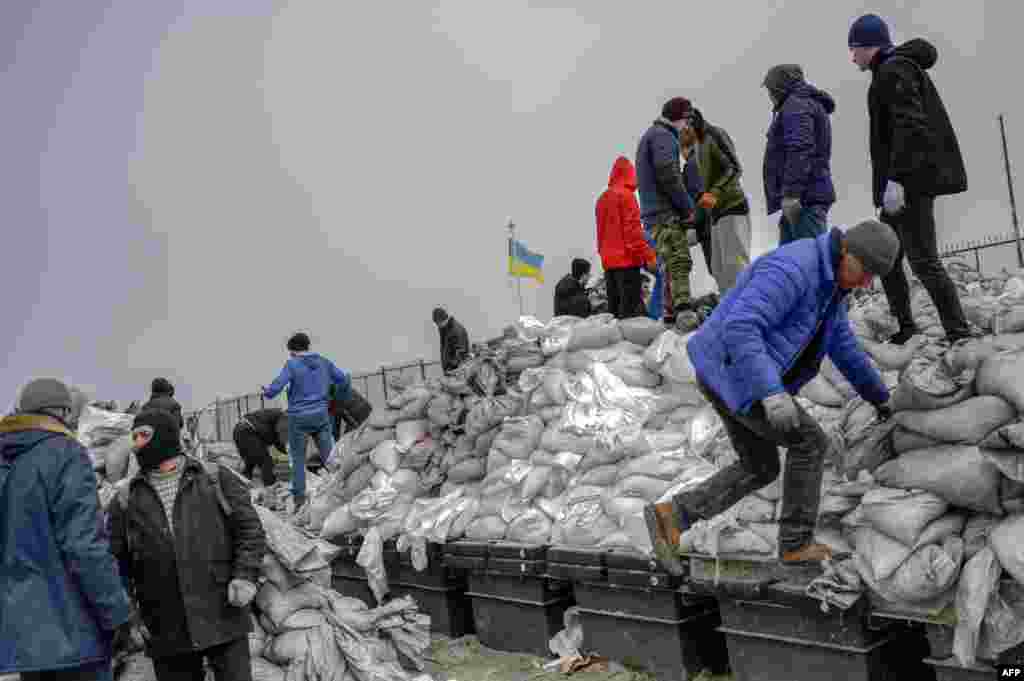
<point x="903" y="335"/>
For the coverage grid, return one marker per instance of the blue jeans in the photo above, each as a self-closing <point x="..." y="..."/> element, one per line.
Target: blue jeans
<point x="813" y="222"/>
<point x="93" y="671"/>
<point x="656" y="304"/>
<point x="300" y="426"/>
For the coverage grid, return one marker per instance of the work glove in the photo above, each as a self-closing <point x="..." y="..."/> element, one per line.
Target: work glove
<point x="241" y="592"/>
<point x="131" y="636"/>
<point x="707" y="201"/>
<point x="884" y="410"/>
<point x="791" y="209"/>
<point x="893" y="201"/>
<point x="782" y="412"/>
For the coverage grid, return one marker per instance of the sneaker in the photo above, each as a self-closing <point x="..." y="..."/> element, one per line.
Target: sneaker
<point x="687" y="321"/>
<point x="665" y="527"/>
<point x="903" y="335"/>
<point x="811" y="553"/>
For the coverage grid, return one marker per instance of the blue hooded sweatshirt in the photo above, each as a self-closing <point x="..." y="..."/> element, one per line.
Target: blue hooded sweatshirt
<point x="309" y="377"/>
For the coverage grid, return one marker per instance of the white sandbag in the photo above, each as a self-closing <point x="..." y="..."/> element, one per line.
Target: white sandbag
<point x="641" y="486"/>
<point x="339" y="523"/>
<point x="408" y="433"/>
<point x="709" y="538"/>
<point x="519" y="436"/>
<point x="534" y="482"/>
<point x="595" y="332"/>
<point x="903" y="440"/>
<point x="303" y="619"/>
<point x="926" y="574"/>
<point x="655" y="465"/>
<point x="601" y="475"/>
<point x="927" y="384"/>
<point x="484" y="440"/>
<point x="960" y="474"/>
<point x="1003" y="626"/>
<point x="1010" y="436"/>
<point x="619" y="508"/>
<point x="278" y="606"/>
<point x="754" y="509"/>
<point x="978" y="580"/>
<point x="385" y="457"/>
<point x="1003" y="375"/>
<point x="882" y="554"/>
<point x="633" y="372"/>
<point x="833" y="538"/>
<point x="820" y="391"/>
<point x="491" y="411"/>
<point x="834" y="504"/>
<point x="940" y="529"/>
<point x="832" y="374"/>
<point x="667" y="357"/>
<point x="892" y="357"/>
<point x="967" y="422"/>
<point x="901" y="514"/>
<point x="1005" y="540"/>
<point x="532" y="527"/>
<point x="358" y="480"/>
<point x="487" y="528"/>
<point x="641" y="330"/>
<point x="371" y="437"/>
<point x="556" y="440"/>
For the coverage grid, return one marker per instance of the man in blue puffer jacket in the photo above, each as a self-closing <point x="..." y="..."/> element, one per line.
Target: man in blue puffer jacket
<point x="62" y="604"/>
<point x="798" y="157"/>
<point x="308" y="377"/>
<point x="765" y="341"/>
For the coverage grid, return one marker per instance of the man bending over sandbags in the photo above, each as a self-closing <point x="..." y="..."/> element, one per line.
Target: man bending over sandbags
<point x="190" y="548"/>
<point x="764" y="341"/>
<point x="254" y="435"/>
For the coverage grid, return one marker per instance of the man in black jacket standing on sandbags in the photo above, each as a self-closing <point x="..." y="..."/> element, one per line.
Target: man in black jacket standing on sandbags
<point x="915" y="157"/>
<point x="454" y="340"/>
<point x="190" y="548"/>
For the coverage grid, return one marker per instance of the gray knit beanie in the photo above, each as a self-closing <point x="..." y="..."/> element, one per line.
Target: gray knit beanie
<point x="44" y="393"/>
<point x="875" y="244"/>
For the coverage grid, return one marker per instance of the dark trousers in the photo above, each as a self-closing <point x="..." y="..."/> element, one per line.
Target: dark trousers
<point x="254" y="453"/>
<point x="625" y="289"/>
<point x="915" y="226"/>
<point x="756" y="443"/>
<point x="95" y="671"/>
<point x="230" y="662"/>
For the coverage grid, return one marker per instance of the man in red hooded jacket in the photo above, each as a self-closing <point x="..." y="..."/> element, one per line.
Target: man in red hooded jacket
<point x="620" y="242"/>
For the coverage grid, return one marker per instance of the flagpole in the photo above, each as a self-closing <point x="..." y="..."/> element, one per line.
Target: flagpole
<point x="519" y="280"/>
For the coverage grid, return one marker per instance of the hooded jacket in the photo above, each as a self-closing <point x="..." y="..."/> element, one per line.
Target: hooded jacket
<point x="454" y="345"/>
<point x="166" y="403"/>
<point x="620" y="236"/>
<point x="60" y="593"/>
<point x="659" y="175"/>
<point x="308" y="377"/>
<point x="798" y="156"/>
<point x="748" y="349"/>
<point x="912" y="138"/>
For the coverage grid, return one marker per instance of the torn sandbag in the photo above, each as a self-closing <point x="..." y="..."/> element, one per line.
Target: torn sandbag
<point x="967" y="422"/>
<point x="960" y="474"/>
<point x="927" y="384"/>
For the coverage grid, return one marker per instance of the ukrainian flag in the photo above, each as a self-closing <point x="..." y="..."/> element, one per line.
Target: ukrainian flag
<point x="522" y="262"/>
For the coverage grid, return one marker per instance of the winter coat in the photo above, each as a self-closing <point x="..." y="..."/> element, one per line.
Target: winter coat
<point x="353" y="411"/>
<point x="571" y="298"/>
<point x="271" y="425"/>
<point x="720" y="168"/>
<point x="166" y="403"/>
<point x="620" y="236"/>
<point x="454" y="344"/>
<point x="60" y="593"/>
<point x="659" y="175"/>
<point x="309" y="377"/>
<point x="760" y="328"/>
<point x="181" y="582"/>
<point x="912" y="138"/>
<point x="798" y="156"/>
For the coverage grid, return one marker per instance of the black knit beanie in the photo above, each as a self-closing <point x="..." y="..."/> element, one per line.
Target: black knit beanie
<point x="166" y="441"/>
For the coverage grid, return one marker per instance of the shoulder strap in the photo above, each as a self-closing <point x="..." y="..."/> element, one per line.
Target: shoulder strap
<point x="213" y="471"/>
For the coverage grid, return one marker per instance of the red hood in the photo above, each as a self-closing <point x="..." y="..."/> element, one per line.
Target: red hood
<point x="623" y="174"/>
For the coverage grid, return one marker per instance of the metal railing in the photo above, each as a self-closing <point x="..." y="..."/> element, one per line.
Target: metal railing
<point x="217" y="420"/>
<point x="976" y="246"/>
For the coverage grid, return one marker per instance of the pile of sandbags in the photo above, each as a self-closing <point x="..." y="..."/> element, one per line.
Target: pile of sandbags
<point x="106" y="435"/>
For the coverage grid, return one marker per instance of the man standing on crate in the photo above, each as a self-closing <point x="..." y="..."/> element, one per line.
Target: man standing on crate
<point x="761" y="345"/>
<point x="309" y="378"/>
<point x="915" y="157"/>
<point x="190" y="549"/>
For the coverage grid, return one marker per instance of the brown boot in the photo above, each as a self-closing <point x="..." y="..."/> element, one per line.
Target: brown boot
<point x="665" y="528"/>
<point x="810" y="553"/>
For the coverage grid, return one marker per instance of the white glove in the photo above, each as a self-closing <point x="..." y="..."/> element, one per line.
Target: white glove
<point x="782" y="412"/>
<point x="241" y="592"/>
<point x="893" y="201"/>
<point x="791" y="209"/>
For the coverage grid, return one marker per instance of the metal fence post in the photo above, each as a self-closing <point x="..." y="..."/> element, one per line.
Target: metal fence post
<point x="423" y="370"/>
<point x="384" y="382"/>
<point x="216" y="407"/>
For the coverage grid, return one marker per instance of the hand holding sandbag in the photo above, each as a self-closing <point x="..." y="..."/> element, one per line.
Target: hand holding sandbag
<point x="241" y="592"/>
<point x="782" y="412"/>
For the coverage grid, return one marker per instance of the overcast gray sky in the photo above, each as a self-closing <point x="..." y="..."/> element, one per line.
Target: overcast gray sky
<point x="189" y="181"/>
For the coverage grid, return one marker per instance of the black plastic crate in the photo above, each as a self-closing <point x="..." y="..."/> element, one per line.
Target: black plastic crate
<point x="948" y="669"/>
<point x="573" y="556"/>
<point x="671" y="649"/>
<point x="785" y="611"/>
<point x="518" y="626"/>
<point x="533" y="589"/>
<point x="514" y="551"/>
<point x="577" y="573"/>
<point x="450" y="610"/>
<point x="764" y="657"/>
<point x="466" y="556"/>
<point x="666" y="604"/>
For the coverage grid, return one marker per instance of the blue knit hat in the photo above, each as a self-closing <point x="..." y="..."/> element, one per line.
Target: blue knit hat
<point x="870" y="31"/>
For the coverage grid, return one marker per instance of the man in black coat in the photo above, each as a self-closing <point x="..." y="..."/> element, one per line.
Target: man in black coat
<point x="162" y="397"/>
<point x="571" y="294"/>
<point x="189" y="554"/>
<point x="454" y="340"/>
<point x="254" y="434"/>
<point x="915" y="157"/>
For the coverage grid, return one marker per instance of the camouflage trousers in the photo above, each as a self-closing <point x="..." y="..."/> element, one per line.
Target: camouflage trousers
<point x="674" y="250"/>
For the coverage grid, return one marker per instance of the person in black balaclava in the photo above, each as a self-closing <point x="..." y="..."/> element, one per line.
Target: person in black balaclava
<point x="169" y="531"/>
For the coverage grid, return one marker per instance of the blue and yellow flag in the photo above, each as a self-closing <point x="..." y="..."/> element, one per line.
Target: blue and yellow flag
<point x="522" y="262"/>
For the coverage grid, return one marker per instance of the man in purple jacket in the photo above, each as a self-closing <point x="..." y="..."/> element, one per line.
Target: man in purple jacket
<point x="798" y="156"/>
<point x="764" y="342"/>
